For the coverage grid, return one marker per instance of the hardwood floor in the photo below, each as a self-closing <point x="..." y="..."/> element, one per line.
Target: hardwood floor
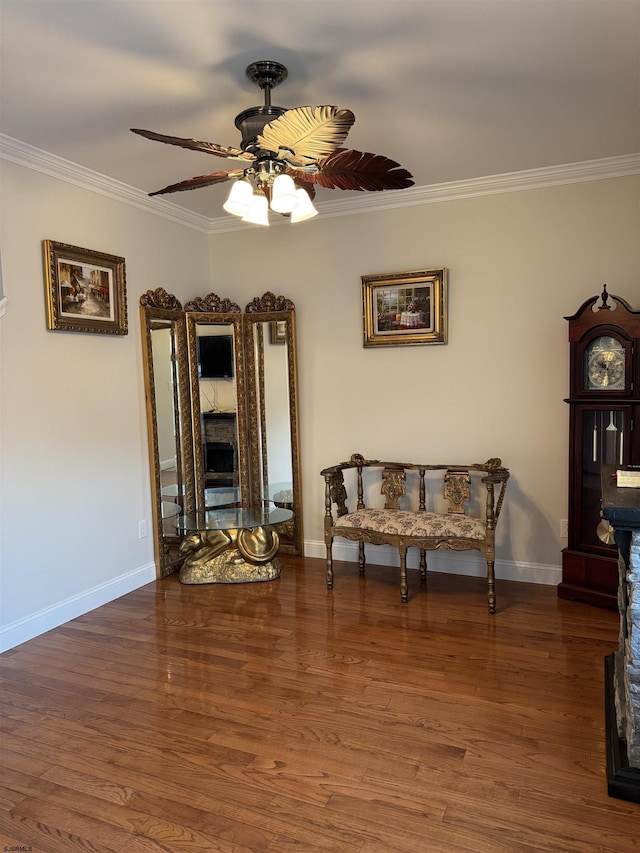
<point x="277" y="717"/>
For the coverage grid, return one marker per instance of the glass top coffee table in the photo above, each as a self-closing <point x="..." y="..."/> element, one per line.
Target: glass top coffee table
<point x="235" y="544"/>
<point x="213" y="497"/>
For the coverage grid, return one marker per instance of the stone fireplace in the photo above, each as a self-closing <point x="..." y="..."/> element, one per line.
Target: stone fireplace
<point x="220" y="449"/>
<point x="621" y="508"/>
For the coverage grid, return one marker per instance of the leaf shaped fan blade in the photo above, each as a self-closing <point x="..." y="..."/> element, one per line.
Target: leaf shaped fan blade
<point x="358" y="170"/>
<point x="201" y="181"/>
<point x="195" y="145"/>
<point x="307" y="133"/>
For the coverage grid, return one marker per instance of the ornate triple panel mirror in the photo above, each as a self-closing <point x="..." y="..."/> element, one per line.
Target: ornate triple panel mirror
<point x="222" y="411"/>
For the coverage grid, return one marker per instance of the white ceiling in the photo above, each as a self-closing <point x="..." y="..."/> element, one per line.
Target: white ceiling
<point x="451" y="89"/>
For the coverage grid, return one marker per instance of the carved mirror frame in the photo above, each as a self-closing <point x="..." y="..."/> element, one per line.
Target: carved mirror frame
<point x="211" y="310"/>
<point x="159" y="311"/>
<point x="270" y="330"/>
<point x="263" y="336"/>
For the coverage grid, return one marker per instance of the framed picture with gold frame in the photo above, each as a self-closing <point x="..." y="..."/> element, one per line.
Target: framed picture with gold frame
<point x="405" y="308"/>
<point x="85" y="291"/>
<point x="278" y="332"/>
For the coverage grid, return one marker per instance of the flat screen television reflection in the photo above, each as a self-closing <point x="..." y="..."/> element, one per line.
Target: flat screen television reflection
<point x="215" y="357"/>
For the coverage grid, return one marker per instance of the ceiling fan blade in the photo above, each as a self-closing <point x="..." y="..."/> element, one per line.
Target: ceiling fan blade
<point x="201" y="181"/>
<point x="358" y="170"/>
<point x="195" y="145"/>
<point x="307" y="133"/>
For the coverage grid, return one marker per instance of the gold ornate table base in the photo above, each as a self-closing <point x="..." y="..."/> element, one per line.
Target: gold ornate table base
<point x="230" y="556"/>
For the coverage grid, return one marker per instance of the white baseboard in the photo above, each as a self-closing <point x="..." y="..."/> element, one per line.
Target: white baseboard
<point x="469" y="563"/>
<point x="52" y="617"/>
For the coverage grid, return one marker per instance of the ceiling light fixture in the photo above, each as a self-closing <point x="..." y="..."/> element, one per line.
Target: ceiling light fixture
<point x="285" y="153"/>
<point x="275" y="191"/>
<point x="269" y="172"/>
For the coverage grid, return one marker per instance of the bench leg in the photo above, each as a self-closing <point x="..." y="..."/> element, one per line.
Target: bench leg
<point x="404" y="587"/>
<point x="329" y="564"/>
<point x="491" y="583"/>
<point x="361" y="557"/>
<point x="423" y="564"/>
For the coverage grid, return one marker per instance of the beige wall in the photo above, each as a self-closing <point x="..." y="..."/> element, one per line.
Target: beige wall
<point x="74" y="479"/>
<point x="74" y="461"/>
<point x="518" y="263"/>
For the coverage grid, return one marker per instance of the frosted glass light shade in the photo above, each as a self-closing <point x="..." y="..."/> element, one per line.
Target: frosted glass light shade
<point x="259" y="211"/>
<point x="239" y="201"/>
<point x="283" y="194"/>
<point x="304" y="208"/>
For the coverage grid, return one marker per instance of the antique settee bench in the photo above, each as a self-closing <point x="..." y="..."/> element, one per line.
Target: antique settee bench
<point x="444" y="526"/>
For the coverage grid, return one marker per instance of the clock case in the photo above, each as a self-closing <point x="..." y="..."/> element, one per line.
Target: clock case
<point x="601" y="431"/>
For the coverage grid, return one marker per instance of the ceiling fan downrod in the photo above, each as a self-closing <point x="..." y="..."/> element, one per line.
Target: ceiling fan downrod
<point x="267" y="74"/>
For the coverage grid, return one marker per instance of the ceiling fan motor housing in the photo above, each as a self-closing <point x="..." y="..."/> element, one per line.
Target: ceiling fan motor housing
<point x="251" y="122"/>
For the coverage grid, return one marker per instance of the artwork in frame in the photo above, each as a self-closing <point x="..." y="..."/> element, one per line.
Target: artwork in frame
<point x="85" y="291"/>
<point x="278" y="332"/>
<point x="405" y="308"/>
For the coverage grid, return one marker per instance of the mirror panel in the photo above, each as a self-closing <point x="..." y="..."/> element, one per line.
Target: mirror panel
<point x="168" y="420"/>
<point x="216" y="367"/>
<point x="273" y="413"/>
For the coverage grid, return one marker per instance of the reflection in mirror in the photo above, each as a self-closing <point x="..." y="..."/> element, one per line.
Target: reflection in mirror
<point x="273" y="406"/>
<point x="218" y="401"/>
<point x="168" y="419"/>
<point x="167" y="407"/>
<point x="275" y="423"/>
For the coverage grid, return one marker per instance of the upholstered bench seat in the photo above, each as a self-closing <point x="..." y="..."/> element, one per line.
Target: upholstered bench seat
<point x="414" y="524"/>
<point x="401" y="524"/>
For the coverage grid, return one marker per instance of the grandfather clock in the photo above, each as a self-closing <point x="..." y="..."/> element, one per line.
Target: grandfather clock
<point x="604" y="404"/>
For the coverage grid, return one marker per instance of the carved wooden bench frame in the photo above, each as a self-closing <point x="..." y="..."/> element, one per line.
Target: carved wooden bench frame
<point x="428" y="531"/>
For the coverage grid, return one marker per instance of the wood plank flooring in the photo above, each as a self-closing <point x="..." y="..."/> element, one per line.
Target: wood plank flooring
<point x="281" y="718"/>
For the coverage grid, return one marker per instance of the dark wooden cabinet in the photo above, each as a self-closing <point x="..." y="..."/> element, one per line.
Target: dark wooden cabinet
<point x="604" y="405"/>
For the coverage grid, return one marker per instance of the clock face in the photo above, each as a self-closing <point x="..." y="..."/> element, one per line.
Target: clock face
<point x="605" y="365"/>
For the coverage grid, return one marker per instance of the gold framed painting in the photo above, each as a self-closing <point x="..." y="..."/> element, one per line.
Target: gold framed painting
<point x="85" y="291"/>
<point x="278" y="332"/>
<point x="405" y="308"/>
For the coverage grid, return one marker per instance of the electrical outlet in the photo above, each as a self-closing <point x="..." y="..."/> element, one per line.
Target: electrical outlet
<point x="564" y="528"/>
<point x="142" y="529"/>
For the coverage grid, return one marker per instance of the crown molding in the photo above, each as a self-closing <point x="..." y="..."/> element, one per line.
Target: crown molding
<point x="26" y="155"/>
<point x="589" y="170"/>
<point x="570" y="173"/>
<point x="549" y="176"/>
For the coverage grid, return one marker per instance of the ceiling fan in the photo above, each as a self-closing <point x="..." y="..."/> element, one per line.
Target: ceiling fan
<point x="287" y="153"/>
